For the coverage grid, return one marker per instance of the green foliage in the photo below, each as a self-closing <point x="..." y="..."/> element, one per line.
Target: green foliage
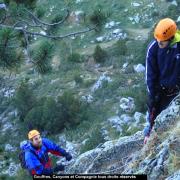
<point x="137" y="48"/>
<point x="24" y="99"/>
<point x="77" y="77"/>
<point x="46" y="115"/>
<point x="34" y="118"/>
<point x="10" y="54"/>
<point x="74" y="57"/>
<point x="173" y="11"/>
<point x="178" y="2"/>
<point x="28" y="3"/>
<point x="22" y="174"/>
<point x="174" y="162"/>
<point x="41" y="56"/>
<point x="120" y="47"/>
<point x="99" y="54"/>
<point x="40" y="11"/>
<point x="98" y="17"/>
<point x="2" y="14"/>
<point x="136" y="93"/>
<point x="72" y="109"/>
<point x="155" y="13"/>
<point x="94" y="140"/>
<point x="53" y="116"/>
<point x="55" y="19"/>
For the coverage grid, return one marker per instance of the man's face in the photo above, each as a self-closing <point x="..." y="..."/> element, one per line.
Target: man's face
<point x="163" y="44"/>
<point x="37" y="141"/>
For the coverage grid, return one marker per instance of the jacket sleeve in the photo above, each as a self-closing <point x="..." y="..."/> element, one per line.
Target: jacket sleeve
<point x="34" y="165"/>
<point x="53" y="148"/>
<point x="152" y="72"/>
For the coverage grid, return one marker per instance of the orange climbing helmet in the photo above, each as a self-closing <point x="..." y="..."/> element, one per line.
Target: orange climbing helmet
<point x="33" y="133"/>
<point x="165" y="29"/>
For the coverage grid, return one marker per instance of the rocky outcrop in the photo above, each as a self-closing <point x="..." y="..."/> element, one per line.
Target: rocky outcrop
<point x="159" y="158"/>
<point x="175" y="176"/>
<point x="109" y="157"/>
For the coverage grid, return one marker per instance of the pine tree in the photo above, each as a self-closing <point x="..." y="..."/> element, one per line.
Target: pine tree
<point x="24" y="99"/>
<point x="99" y="54"/>
<point x="11" y="55"/>
<point x="41" y="57"/>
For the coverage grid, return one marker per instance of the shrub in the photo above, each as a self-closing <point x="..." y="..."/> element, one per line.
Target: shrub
<point x="40" y="11"/>
<point x="77" y="78"/>
<point x="74" y="57"/>
<point x="98" y="17"/>
<point x="53" y="116"/>
<point x="71" y="109"/>
<point x="99" y="54"/>
<point x="155" y="13"/>
<point x="27" y="3"/>
<point x="120" y="47"/>
<point x="24" y="99"/>
<point x="34" y="118"/>
<point x="47" y="115"/>
<point x="94" y="140"/>
<point x="172" y="11"/>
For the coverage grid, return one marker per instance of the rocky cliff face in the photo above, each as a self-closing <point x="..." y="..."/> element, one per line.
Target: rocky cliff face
<point x="159" y="158"/>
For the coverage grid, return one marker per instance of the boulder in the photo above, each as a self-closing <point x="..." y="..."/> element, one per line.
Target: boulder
<point x="139" y="68"/>
<point x="127" y="104"/>
<point x="99" y="82"/>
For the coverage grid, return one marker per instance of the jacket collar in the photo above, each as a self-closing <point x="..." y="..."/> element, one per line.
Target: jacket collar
<point x="175" y="40"/>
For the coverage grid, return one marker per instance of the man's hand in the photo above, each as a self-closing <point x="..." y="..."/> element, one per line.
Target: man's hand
<point x="68" y="157"/>
<point x="147" y="132"/>
<point x="58" y="168"/>
<point x="146" y="139"/>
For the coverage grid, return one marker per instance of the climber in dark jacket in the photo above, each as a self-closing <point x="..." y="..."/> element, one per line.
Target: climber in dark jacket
<point x="162" y="70"/>
<point x="40" y="164"/>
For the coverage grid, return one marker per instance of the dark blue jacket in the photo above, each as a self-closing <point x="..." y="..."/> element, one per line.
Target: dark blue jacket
<point x="42" y="164"/>
<point x="162" y="67"/>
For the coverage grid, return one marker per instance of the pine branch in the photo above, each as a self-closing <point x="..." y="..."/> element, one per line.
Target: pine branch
<point x="19" y="24"/>
<point x="48" y="24"/>
<point x="61" y="36"/>
<point x="27" y="47"/>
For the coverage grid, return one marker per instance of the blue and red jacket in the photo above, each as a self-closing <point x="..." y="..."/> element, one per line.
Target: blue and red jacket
<point x="163" y="66"/>
<point x="41" y="164"/>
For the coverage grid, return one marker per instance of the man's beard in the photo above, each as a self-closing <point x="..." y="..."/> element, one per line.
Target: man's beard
<point x="40" y="144"/>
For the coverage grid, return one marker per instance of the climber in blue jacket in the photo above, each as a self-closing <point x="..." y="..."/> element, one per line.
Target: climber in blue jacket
<point x="36" y="155"/>
<point x="162" y="70"/>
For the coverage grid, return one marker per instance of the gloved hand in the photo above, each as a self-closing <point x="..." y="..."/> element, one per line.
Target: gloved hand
<point x="147" y="130"/>
<point x="68" y="156"/>
<point x="146" y="139"/>
<point x="58" y="168"/>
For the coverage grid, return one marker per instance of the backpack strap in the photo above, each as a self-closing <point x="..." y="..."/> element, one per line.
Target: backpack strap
<point x="45" y="146"/>
<point x="31" y="151"/>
